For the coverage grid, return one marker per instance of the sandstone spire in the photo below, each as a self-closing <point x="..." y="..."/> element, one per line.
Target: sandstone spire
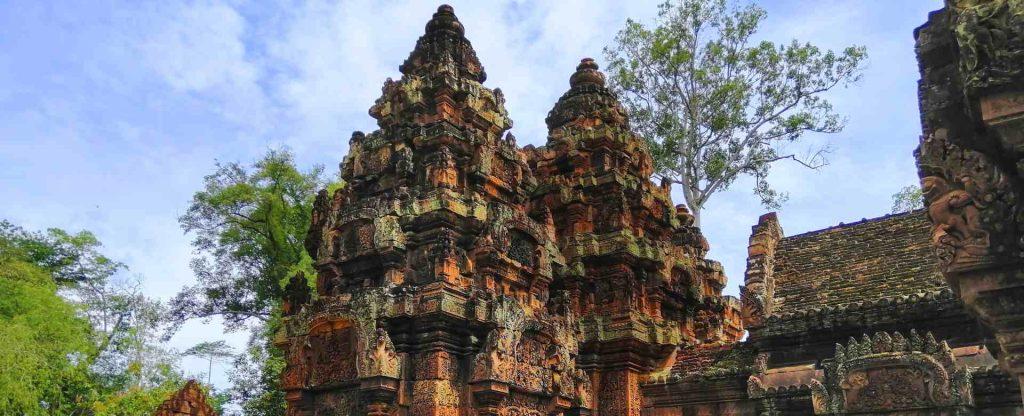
<point x="633" y="260"/>
<point x="443" y="44"/>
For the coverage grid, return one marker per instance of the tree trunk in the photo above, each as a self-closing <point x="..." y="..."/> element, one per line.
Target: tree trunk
<point x="695" y="210"/>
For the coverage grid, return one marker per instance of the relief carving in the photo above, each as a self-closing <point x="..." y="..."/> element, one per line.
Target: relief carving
<point x="584" y="389"/>
<point x="333" y="356"/>
<point x="380" y="358"/>
<point x="888" y="373"/>
<point x="495" y="361"/>
<point x="970" y="203"/>
<point x="990" y="34"/>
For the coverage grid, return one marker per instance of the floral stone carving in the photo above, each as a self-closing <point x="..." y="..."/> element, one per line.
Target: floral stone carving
<point x="891" y="373"/>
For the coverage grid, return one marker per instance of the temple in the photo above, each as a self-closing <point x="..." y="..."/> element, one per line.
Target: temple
<point x="460" y="274"/>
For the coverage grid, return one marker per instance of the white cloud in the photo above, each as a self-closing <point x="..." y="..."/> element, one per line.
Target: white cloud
<point x="199" y="49"/>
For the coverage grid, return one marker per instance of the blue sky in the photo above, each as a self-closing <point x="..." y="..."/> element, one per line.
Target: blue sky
<point x="111" y="112"/>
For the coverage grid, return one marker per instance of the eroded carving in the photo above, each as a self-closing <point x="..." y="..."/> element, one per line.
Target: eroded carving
<point x="888" y="373"/>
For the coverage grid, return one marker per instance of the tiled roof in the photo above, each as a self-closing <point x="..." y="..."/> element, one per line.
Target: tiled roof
<point x="868" y="260"/>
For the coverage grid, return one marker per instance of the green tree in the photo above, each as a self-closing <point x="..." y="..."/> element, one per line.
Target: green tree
<point x="715" y="105"/>
<point x="254" y="376"/>
<point x="248" y="226"/>
<point x="74" y="340"/>
<point x="43" y="340"/>
<point x="212" y="351"/>
<point x="73" y="260"/>
<point x="137" y="400"/>
<point x="907" y="199"/>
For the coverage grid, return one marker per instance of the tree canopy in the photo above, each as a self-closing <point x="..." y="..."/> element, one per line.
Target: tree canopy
<point x="74" y="339"/>
<point x="44" y="342"/>
<point x="908" y="198"/>
<point x="248" y="225"/>
<point x="714" y="104"/>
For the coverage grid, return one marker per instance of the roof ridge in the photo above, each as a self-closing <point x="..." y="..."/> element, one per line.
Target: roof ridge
<point x="862" y="221"/>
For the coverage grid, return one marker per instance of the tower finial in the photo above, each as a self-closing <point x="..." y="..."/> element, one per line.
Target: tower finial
<point x="588" y="97"/>
<point x="444" y="20"/>
<point x="587" y="73"/>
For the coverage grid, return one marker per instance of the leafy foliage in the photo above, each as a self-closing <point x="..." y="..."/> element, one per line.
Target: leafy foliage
<point x="137" y="400"/>
<point x="212" y="351"/>
<point x="249" y="225"/>
<point x="255" y="375"/>
<point x="72" y="259"/>
<point x="907" y="199"/>
<point x="715" y="105"/>
<point x="43" y="340"/>
<point x="72" y="341"/>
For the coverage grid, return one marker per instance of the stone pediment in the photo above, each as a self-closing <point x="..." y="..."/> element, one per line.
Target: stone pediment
<point x="892" y="374"/>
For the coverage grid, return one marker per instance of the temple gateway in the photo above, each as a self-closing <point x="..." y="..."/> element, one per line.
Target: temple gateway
<point x="459" y="274"/>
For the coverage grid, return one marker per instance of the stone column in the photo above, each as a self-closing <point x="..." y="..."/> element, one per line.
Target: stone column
<point x="619" y="393"/>
<point x="435" y="390"/>
<point x="971" y="160"/>
<point x="758" y="284"/>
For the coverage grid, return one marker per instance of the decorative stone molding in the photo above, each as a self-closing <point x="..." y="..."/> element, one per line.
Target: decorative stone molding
<point x="990" y="35"/>
<point x="379" y="359"/>
<point x="889" y="374"/>
<point x="758" y="290"/>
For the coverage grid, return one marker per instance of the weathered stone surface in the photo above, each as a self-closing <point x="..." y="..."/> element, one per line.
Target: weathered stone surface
<point x="893" y="374"/>
<point x="459" y="273"/>
<point x="971" y="157"/>
<point x="854" y="263"/>
<point x="806" y="293"/>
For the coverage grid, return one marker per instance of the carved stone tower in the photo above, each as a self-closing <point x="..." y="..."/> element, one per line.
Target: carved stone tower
<point x="758" y="291"/>
<point x="433" y="271"/>
<point x="443" y="285"/>
<point x="635" y="269"/>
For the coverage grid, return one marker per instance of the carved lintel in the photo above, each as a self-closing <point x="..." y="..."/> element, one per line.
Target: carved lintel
<point x="887" y="373"/>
